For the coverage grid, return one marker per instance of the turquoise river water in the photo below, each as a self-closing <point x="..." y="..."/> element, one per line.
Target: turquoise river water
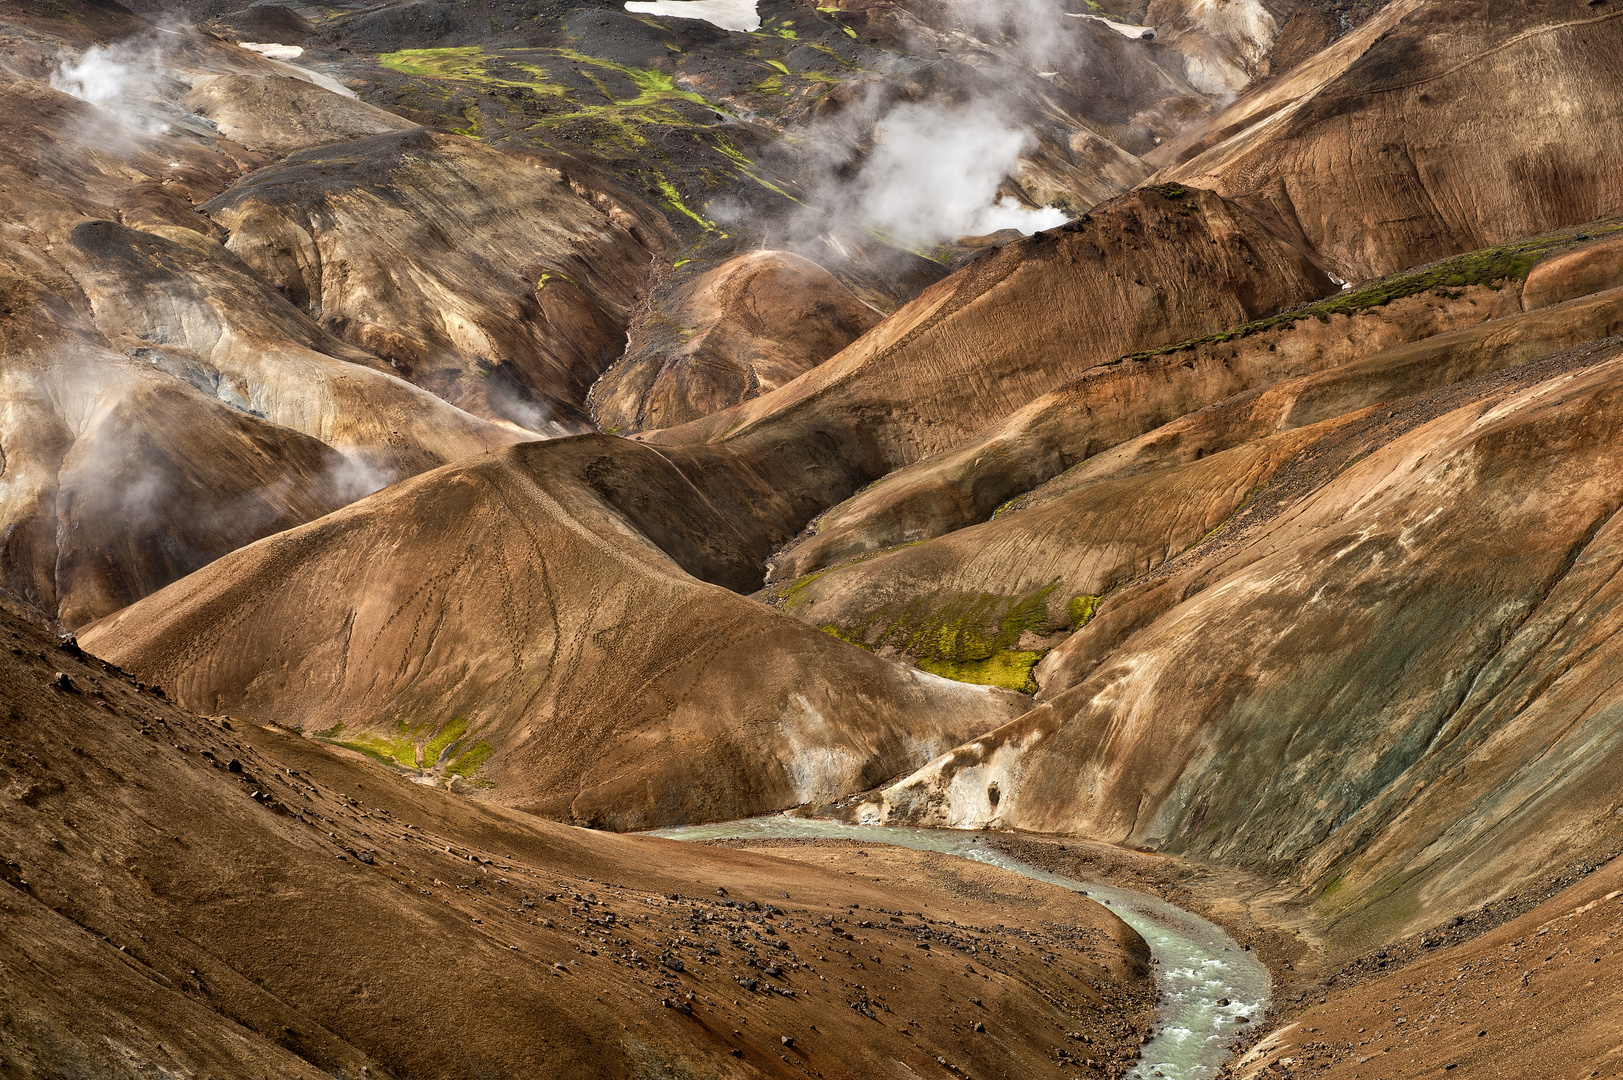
<point x="1199" y="965"/>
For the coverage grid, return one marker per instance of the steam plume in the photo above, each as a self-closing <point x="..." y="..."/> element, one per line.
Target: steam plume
<point x="934" y="172"/>
<point x="922" y="172"/>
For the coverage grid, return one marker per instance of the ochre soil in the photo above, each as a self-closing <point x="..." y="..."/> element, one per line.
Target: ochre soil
<point x="1531" y="986"/>
<point x="209" y="897"/>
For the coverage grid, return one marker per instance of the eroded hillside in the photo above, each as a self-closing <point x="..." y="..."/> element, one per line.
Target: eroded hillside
<point x="1179" y="426"/>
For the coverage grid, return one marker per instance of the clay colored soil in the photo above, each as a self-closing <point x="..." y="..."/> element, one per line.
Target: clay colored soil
<point x="1538" y="996"/>
<point x="1178" y="440"/>
<point x="512" y="617"/>
<point x="1424" y="119"/>
<point x="749" y="326"/>
<point x="203" y="895"/>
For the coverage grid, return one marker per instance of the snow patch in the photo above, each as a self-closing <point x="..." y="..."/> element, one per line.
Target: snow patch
<point x="273" y="51"/>
<point x="736" y="15"/>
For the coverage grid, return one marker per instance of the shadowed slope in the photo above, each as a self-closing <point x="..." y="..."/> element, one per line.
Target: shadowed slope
<point x="184" y="896"/>
<point x="1389" y="669"/>
<point x="508" y="603"/>
<point x="1150" y="267"/>
<point x="1439" y="126"/>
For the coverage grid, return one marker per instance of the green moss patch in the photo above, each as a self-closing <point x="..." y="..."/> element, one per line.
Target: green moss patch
<point x="417" y="747"/>
<point x="969" y="638"/>
<point x="1083" y="609"/>
<point x="1007" y="668"/>
<point x="1508" y="262"/>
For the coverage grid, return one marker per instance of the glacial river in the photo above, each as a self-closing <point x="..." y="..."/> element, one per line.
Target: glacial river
<point x="1199" y="965"/>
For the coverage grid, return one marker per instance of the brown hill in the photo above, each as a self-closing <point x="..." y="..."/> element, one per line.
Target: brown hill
<point x="1127" y="397"/>
<point x="1429" y="584"/>
<point x="749" y="326"/>
<point x="1151" y="267"/>
<point x="503" y="286"/>
<point x="202" y="896"/>
<point x="516" y="608"/>
<point x="1427" y="120"/>
<point x="1037" y="569"/>
<point x="282" y="113"/>
<point x="166" y="404"/>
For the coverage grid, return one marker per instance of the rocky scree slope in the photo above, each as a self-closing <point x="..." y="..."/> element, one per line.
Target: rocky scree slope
<point x="192" y="894"/>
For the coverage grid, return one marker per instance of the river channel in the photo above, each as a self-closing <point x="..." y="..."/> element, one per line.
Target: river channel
<point x="1198" y="967"/>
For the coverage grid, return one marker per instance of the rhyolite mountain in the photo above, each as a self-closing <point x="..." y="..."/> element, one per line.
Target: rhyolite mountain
<point x="464" y="401"/>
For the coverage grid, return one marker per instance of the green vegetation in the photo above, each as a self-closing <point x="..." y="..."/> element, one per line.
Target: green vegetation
<point x="467" y="64"/>
<point x="549" y="276"/>
<point x="449" y="734"/>
<point x="790" y="597"/>
<point x="673" y="198"/>
<point x="1008" y="669"/>
<point x="469" y="761"/>
<point x="619" y="117"/>
<point x="1508" y="262"/>
<point x="968" y="638"/>
<point x="1083" y="608"/>
<point x="417" y="747"/>
<point x="845" y="635"/>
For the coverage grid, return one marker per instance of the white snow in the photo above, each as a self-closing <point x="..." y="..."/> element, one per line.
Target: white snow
<point x="736" y="15"/>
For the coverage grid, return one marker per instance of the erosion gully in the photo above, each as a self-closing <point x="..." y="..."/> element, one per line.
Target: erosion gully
<point x="1199" y="965"/>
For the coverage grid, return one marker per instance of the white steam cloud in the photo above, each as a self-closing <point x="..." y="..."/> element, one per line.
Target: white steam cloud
<point x="98" y="77"/>
<point x="920" y="169"/>
<point x="355" y="477"/>
<point x="125" y="81"/>
<point x="934" y="172"/>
